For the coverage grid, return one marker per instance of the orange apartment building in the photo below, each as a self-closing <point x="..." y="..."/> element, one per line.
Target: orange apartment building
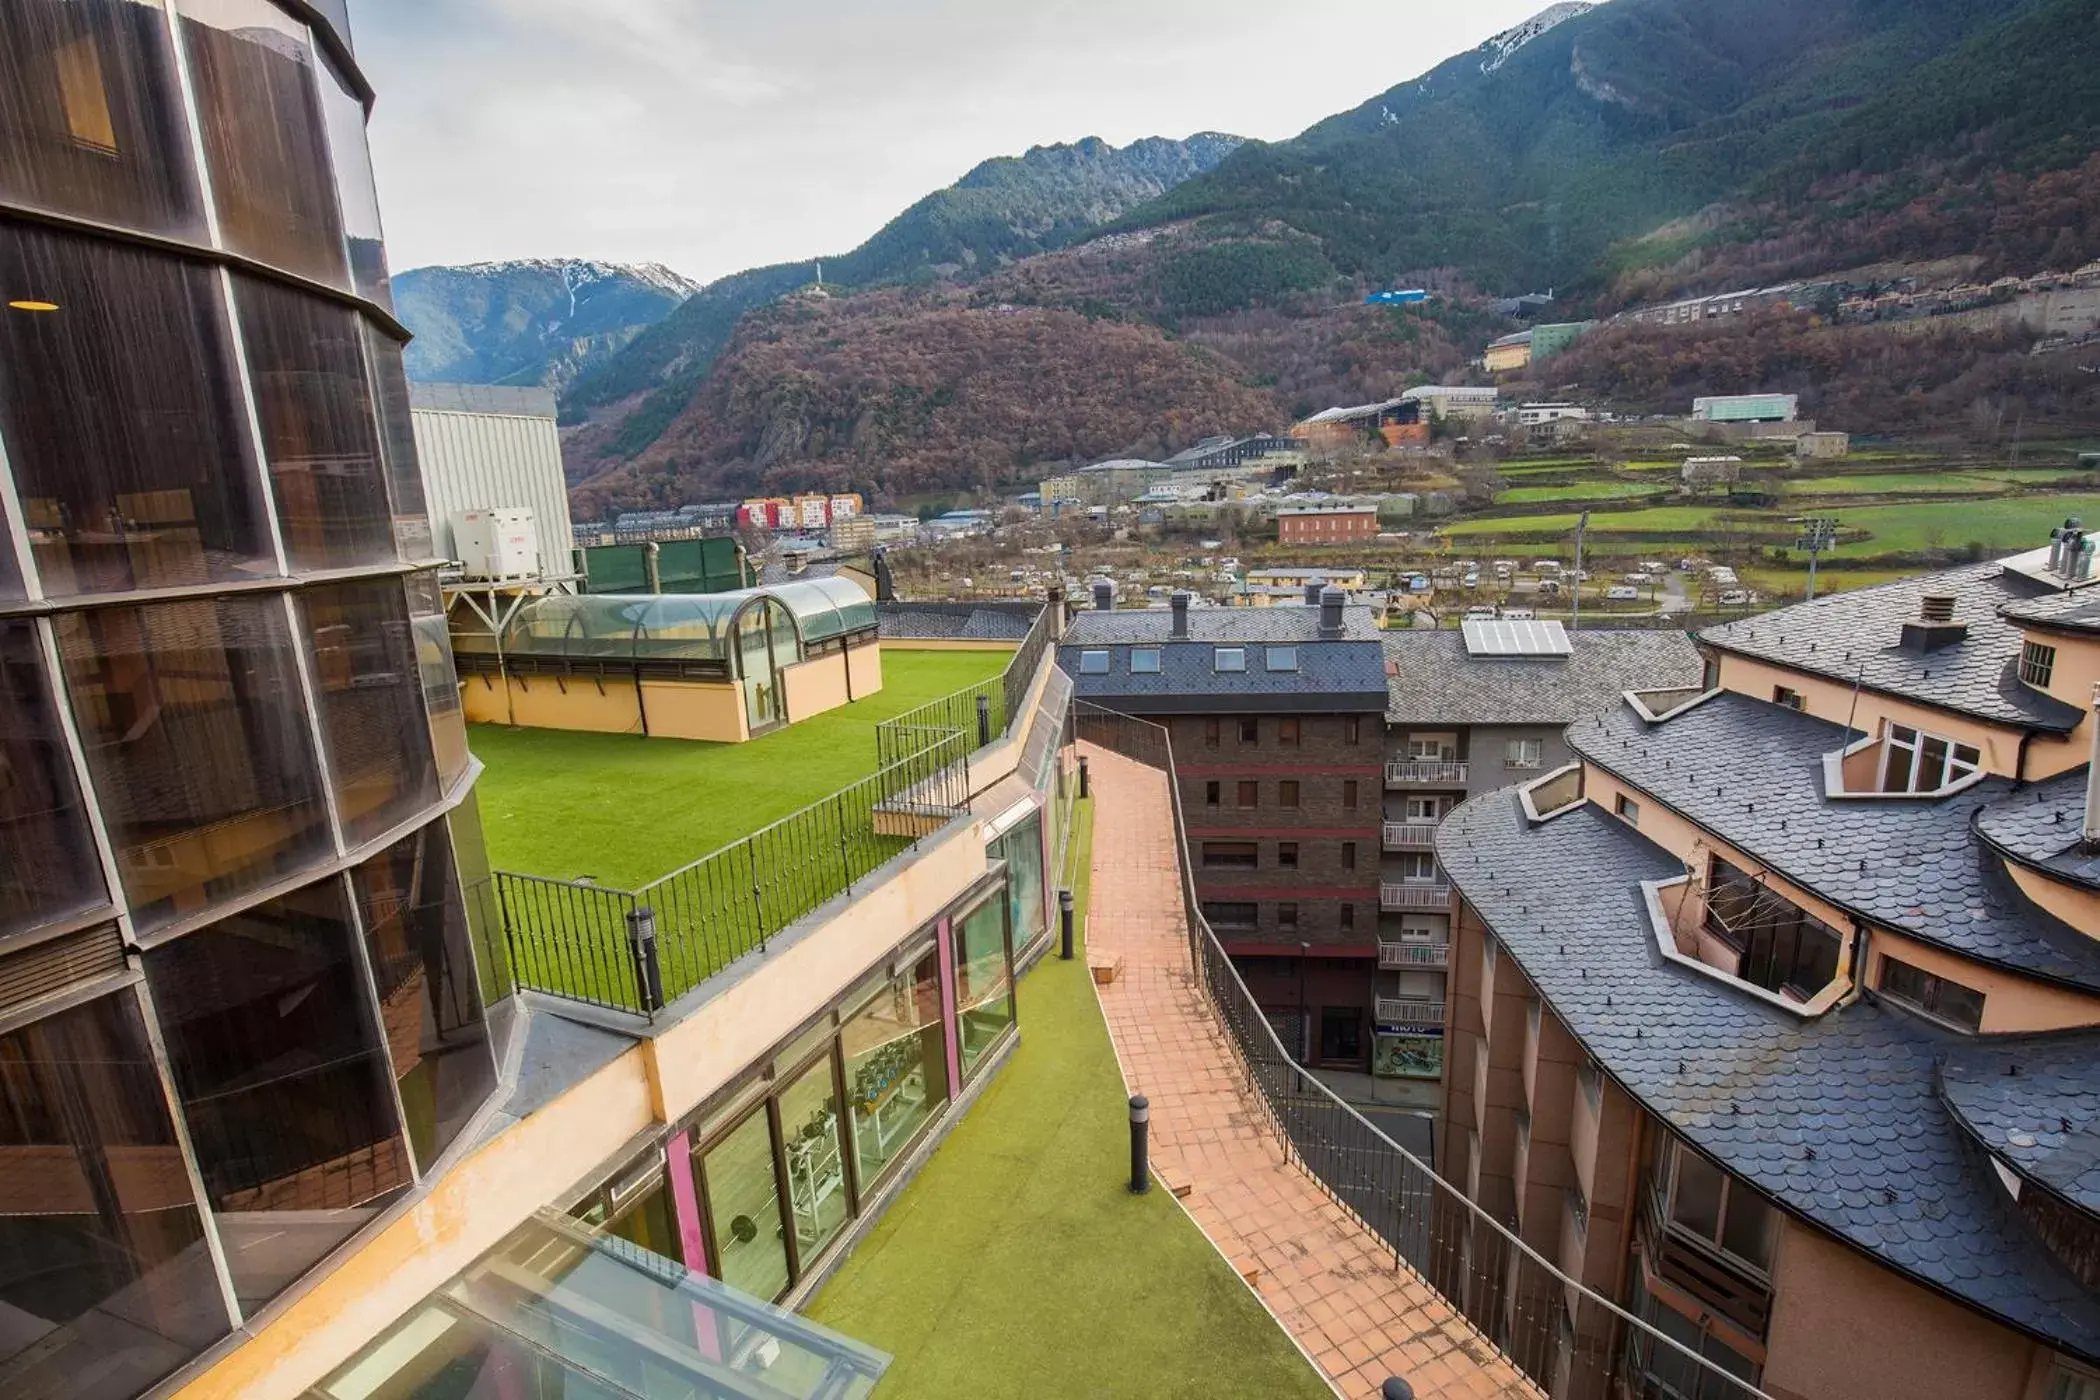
<point x="1775" y="1015"/>
<point x="1341" y="524"/>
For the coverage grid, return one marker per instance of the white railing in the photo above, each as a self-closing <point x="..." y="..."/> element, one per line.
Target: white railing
<point x="1434" y="897"/>
<point x="1399" y="771"/>
<point x="1392" y="954"/>
<point x="1403" y="1011"/>
<point x="1410" y="836"/>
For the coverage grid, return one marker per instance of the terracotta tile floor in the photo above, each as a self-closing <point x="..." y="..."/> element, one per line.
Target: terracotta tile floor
<point x="1331" y="1283"/>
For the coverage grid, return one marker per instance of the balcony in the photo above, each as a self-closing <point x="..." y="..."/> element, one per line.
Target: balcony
<point x="1393" y="954"/>
<point x="1409" y="836"/>
<point x="1433" y="896"/>
<point x="1409" y="1013"/>
<point x="1429" y="772"/>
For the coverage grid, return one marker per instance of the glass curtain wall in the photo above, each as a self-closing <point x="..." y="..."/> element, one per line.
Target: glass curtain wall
<point x="984" y="984"/>
<point x="896" y="1064"/>
<point x="48" y="868"/>
<point x="1022" y="850"/>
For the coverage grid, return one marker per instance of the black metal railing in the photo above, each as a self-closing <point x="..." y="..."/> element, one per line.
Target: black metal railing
<point x="1004" y="698"/>
<point x="1562" y="1336"/>
<point x="639" y="950"/>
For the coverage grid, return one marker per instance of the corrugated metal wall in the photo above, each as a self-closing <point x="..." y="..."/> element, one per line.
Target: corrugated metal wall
<point x="475" y="460"/>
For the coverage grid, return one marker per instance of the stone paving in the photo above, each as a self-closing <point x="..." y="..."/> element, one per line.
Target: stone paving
<point x="1331" y="1283"/>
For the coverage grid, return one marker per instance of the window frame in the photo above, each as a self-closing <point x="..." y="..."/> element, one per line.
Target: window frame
<point x="2037" y="663"/>
<point x="1225" y="660"/>
<point x="1213" y="793"/>
<point x="1290" y="732"/>
<point x="1626" y="809"/>
<point x="1676" y="1152"/>
<point x="1094" y="661"/>
<point x="1247" y="789"/>
<point x="1229" y="855"/>
<point x="1286" y="855"/>
<point x="1250" y="732"/>
<point x="1917" y="749"/>
<point x="1524" y="754"/>
<point x="1146" y="661"/>
<point x="1786" y="697"/>
<point x="1287" y="794"/>
<point x="1349" y="793"/>
<point x="1279" y="659"/>
<point x="1929" y="1003"/>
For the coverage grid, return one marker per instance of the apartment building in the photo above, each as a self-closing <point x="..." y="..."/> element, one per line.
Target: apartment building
<point x="1775" y="1012"/>
<point x="1274" y="715"/>
<point x="1336" y="524"/>
<point x="297" y="1097"/>
<point x="1471" y="712"/>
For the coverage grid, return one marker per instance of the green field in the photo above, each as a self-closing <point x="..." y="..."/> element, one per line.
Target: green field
<point x="1892" y="484"/>
<point x="1579" y="491"/>
<point x="2002" y="526"/>
<point x="1659" y="520"/>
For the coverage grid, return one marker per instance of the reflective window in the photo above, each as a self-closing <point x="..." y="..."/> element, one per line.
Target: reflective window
<point x="440" y="679"/>
<point x="284" y="1085"/>
<point x="636" y="1207"/>
<point x="357" y="194"/>
<point x="48" y="866"/>
<point x="90" y="115"/>
<point x="484" y="916"/>
<point x="1022" y="850"/>
<point x="896" y="1066"/>
<point x="984" y="984"/>
<point x="127" y="436"/>
<point x="259" y="103"/>
<point x="197" y="744"/>
<point x="412" y="538"/>
<point x="743" y="1207"/>
<point x="105" y="1279"/>
<point x="416" y="936"/>
<point x="813" y="1140"/>
<point x="370" y="692"/>
<point x="306" y="361"/>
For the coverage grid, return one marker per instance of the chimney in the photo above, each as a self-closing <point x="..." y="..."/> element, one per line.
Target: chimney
<point x="1055" y="605"/>
<point x="1935" y="627"/>
<point x="1312" y="592"/>
<point x="1331" y="613"/>
<point x="1180" y="604"/>
<point x="1104" y="595"/>
<point x="2091" y="834"/>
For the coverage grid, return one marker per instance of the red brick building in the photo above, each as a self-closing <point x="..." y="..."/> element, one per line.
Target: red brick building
<point x="1339" y="524"/>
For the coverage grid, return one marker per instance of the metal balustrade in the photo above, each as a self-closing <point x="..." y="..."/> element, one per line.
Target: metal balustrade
<point x="1410" y="836"/>
<point x="1434" y="896"/>
<point x="1441" y="772"/>
<point x="1400" y="954"/>
<point x="1408" y="1012"/>
<point x="1565" y="1338"/>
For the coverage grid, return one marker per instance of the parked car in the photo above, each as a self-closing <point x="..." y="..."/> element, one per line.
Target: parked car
<point x="1735" y="598"/>
<point x="1472" y="579"/>
<point x="1518" y="614"/>
<point x="1622" y="593"/>
<point x="1480" y="614"/>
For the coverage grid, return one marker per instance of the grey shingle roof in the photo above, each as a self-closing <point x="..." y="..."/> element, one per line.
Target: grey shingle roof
<point x="1836" y="1119"/>
<point x="1330" y="676"/>
<point x="2035" y="1101"/>
<point x="1431" y="680"/>
<point x="1751" y="772"/>
<point x="2042" y="826"/>
<point x="2077" y="611"/>
<point x="1281" y="623"/>
<point x="1856" y="635"/>
<point x="992" y="622"/>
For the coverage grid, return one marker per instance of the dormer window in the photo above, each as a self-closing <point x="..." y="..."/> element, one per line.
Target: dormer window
<point x="1093" y="663"/>
<point x="1943" y="1000"/>
<point x="1914" y="760"/>
<point x="2037" y="664"/>
<point x="1144" y="661"/>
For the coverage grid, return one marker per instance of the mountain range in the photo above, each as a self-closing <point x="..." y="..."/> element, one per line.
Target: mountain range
<point x="1615" y="153"/>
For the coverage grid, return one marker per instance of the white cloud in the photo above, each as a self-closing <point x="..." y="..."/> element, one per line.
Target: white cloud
<point x="714" y="135"/>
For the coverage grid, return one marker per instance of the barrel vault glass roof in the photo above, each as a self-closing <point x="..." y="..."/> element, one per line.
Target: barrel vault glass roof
<point x="679" y="626"/>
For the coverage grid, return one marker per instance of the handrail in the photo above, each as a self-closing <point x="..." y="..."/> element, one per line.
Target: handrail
<point x="1005" y="697"/>
<point x="1514" y="1295"/>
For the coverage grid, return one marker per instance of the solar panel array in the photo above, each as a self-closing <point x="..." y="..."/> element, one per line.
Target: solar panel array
<point x="1526" y="639"/>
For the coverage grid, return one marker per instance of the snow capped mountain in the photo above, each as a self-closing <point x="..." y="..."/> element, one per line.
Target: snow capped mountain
<point x="530" y="320"/>
<point x="1498" y="49"/>
<point x="583" y="272"/>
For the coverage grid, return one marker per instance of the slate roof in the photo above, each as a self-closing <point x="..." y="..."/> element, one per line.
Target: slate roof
<point x="2075" y="611"/>
<point x="2042" y="826"/>
<point x="1752" y="773"/>
<point x="1430" y="678"/>
<point x="1344" y="676"/>
<point x="1848" y="636"/>
<point x="2035" y="1101"/>
<point x="994" y="622"/>
<point x="1837" y="1119"/>
<point x="1224" y="626"/>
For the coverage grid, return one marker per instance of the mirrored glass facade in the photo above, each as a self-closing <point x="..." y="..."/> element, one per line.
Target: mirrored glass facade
<point x="232" y="841"/>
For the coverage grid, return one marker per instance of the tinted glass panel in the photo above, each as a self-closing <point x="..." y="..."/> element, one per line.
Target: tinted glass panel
<point x="416" y="936"/>
<point x="412" y="537"/>
<point x="484" y="917"/>
<point x="125" y="430"/>
<point x="306" y="361"/>
<point x="259" y="103"/>
<point x="1697" y="1205"/>
<point x="104" y="1276"/>
<point x="1022" y="850"/>
<point x="896" y="1066"/>
<point x="371" y="698"/>
<point x="1749" y="1228"/>
<point x="814" y="1141"/>
<point x="197" y="743"/>
<point x="440" y="679"/>
<point x="743" y="1205"/>
<point x="90" y="117"/>
<point x="354" y="188"/>
<point x="48" y="868"/>
<point x="984" y="987"/>
<point x="283" y="1082"/>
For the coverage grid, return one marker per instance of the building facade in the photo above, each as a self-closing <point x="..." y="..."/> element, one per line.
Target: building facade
<point x="491" y="447"/>
<point x="1341" y="524"/>
<point x="1274" y="714"/>
<point x="1780" y="1002"/>
<point x="247" y="961"/>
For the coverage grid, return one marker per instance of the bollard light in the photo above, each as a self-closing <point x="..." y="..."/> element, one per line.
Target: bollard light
<point x="984" y="720"/>
<point x="1083" y="784"/>
<point x="1064" y="925"/>
<point x="641" y="942"/>
<point x="1140" y="1127"/>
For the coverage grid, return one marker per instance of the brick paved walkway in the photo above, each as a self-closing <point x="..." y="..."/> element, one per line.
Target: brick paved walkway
<point x="1328" y="1281"/>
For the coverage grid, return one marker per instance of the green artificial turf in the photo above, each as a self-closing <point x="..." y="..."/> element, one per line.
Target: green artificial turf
<point x="1017" y="1264"/>
<point x="624" y="809"/>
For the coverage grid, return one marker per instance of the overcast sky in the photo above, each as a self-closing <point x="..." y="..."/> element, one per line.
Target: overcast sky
<point x="715" y="135"/>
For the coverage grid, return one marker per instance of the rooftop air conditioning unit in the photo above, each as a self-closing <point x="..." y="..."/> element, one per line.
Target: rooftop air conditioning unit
<point x="497" y="543"/>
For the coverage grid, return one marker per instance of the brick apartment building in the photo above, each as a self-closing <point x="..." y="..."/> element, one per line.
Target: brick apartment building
<point x="1345" y="524"/>
<point x="1276" y="716"/>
